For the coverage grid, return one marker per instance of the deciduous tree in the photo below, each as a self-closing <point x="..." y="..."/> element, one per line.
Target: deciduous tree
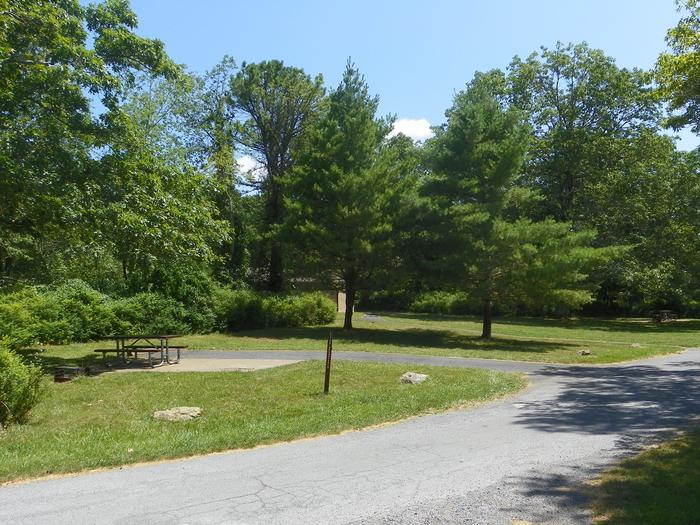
<point x="278" y="102"/>
<point x="678" y="71"/>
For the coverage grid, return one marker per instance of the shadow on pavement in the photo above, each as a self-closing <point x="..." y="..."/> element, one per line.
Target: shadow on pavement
<point x="634" y="401"/>
<point x="560" y="498"/>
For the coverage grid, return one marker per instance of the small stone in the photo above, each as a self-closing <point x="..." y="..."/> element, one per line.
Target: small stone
<point x="413" y="378"/>
<point x="636" y="345"/>
<point x="585" y="351"/>
<point x="178" y="414"/>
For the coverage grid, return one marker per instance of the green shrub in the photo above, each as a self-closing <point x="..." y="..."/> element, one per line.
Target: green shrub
<point x="73" y="312"/>
<point x="386" y="300"/>
<point x="21" y="387"/>
<point x="68" y="312"/>
<point x="244" y="309"/>
<point x="298" y="310"/>
<point x="193" y="288"/>
<point x="147" y="312"/>
<point x="17" y="326"/>
<point x="239" y="309"/>
<point x="438" y="302"/>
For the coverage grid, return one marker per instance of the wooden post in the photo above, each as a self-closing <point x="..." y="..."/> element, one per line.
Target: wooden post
<point x="329" y="352"/>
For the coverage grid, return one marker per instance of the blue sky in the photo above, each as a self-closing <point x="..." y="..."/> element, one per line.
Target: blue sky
<point x="414" y="54"/>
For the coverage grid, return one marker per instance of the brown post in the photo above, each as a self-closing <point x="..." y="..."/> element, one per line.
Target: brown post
<point x="486" y="331"/>
<point x="329" y="352"/>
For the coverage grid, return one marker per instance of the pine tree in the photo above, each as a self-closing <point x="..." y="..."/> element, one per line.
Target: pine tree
<point x="343" y="193"/>
<point x="490" y="249"/>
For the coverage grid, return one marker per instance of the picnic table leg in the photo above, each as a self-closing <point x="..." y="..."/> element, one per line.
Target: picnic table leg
<point x="163" y="355"/>
<point x="167" y="346"/>
<point x="120" y="350"/>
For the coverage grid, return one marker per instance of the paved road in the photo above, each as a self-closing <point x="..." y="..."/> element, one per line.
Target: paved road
<point x="516" y="459"/>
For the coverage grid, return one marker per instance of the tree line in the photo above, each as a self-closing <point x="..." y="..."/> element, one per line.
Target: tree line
<point x="552" y="184"/>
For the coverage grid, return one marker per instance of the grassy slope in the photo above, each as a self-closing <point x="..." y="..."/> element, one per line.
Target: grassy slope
<point x="105" y="421"/>
<point x="658" y="487"/>
<point x="525" y="339"/>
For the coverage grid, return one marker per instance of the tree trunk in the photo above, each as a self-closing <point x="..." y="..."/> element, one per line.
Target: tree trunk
<point x="274" y="218"/>
<point x="486" y="330"/>
<point x="275" y="282"/>
<point x="349" y="307"/>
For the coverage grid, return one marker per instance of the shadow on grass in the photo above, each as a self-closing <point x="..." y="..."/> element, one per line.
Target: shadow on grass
<point x="632" y="326"/>
<point x="410" y="337"/>
<point x="657" y="487"/>
<point x="50" y="362"/>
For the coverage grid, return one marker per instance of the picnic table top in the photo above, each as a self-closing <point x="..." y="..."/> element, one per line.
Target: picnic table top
<point x="143" y="336"/>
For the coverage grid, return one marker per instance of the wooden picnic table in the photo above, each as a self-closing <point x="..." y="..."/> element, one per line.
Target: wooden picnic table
<point x="660" y="316"/>
<point x="134" y="344"/>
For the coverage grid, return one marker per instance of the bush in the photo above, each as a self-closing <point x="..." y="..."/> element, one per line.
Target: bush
<point x="68" y="312"/>
<point x="244" y="309"/>
<point x="193" y="288"/>
<point x="387" y="300"/>
<point x="21" y="387"/>
<point x="150" y="313"/>
<point x="298" y="310"/>
<point x="74" y="312"/>
<point x="239" y="309"/>
<point x="18" y="328"/>
<point x="455" y="303"/>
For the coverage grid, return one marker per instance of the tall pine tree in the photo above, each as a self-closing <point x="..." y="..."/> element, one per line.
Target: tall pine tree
<point x="343" y="194"/>
<point x="491" y="250"/>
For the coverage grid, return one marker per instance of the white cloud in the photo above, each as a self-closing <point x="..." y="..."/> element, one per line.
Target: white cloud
<point x="246" y="164"/>
<point x="250" y="168"/>
<point x="417" y="129"/>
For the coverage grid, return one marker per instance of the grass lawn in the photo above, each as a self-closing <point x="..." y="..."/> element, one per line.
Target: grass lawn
<point x="104" y="421"/>
<point x="658" y="487"/>
<point x="524" y="339"/>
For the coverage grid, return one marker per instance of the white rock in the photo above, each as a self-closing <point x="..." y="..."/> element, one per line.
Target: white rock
<point x="585" y="351"/>
<point x="178" y="413"/>
<point x="413" y="378"/>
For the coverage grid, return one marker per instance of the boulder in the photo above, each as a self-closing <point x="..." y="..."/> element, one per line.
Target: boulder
<point x="178" y="414"/>
<point x="413" y="378"/>
<point x="585" y="351"/>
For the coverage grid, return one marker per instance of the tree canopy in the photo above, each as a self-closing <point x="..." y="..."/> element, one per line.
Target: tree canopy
<point x="552" y="185"/>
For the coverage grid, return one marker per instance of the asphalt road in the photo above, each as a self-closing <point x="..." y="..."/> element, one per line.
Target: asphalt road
<point x="523" y="458"/>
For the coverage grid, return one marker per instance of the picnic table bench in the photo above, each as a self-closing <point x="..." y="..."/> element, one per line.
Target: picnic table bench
<point x="660" y="316"/>
<point x="133" y="345"/>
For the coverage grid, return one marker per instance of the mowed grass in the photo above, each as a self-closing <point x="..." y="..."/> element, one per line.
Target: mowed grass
<point x="522" y="339"/>
<point x="660" y="486"/>
<point x="104" y="421"/>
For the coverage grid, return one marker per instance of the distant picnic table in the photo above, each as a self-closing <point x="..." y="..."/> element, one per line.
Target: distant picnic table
<point x="660" y="316"/>
<point x="132" y="345"/>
